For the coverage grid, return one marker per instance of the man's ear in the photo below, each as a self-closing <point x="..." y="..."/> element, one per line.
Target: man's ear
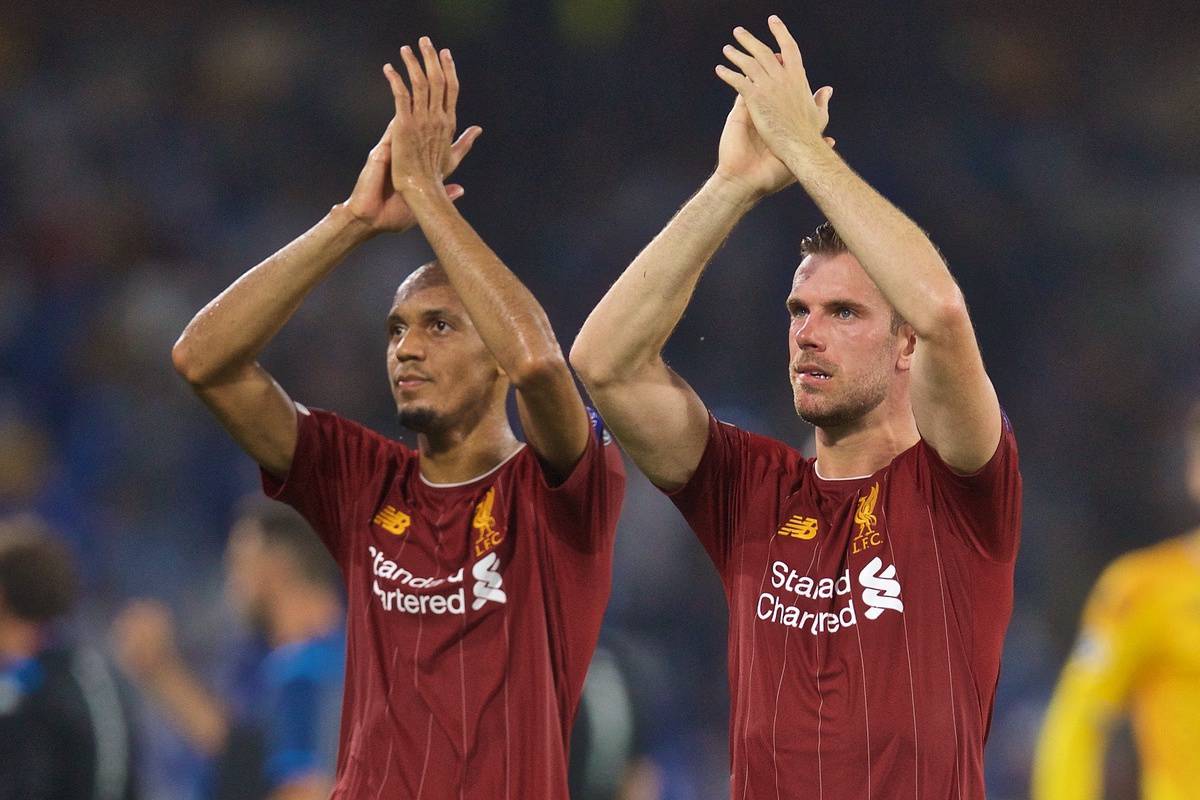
<point x="908" y="347"/>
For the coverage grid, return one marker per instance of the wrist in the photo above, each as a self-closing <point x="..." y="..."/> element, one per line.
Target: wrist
<point x="732" y="192"/>
<point x="343" y="220"/>
<point x="805" y="157"/>
<point x="424" y="195"/>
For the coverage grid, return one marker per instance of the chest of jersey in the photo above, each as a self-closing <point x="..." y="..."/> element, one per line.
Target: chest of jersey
<point x="442" y="560"/>
<point x="820" y="564"/>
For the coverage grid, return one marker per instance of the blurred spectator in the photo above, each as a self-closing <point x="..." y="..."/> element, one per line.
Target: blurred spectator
<point x="1138" y="654"/>
<point x="64" y="731"/>
<point x="275" y="736"/>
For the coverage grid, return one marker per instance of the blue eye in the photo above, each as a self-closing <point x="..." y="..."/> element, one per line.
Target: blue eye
<point x="844" y="313"/>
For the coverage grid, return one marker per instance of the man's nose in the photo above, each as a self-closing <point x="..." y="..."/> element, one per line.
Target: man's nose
<point x="809" y="334"/>
<point x="410" y="347"/>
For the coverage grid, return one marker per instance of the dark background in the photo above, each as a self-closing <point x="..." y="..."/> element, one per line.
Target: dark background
<point x="151" y="152"/>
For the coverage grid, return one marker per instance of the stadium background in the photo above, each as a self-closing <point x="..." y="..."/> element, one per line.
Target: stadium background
<point x="151" y="152"/>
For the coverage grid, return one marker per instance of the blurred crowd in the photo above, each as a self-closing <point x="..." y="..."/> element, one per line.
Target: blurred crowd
<point x="151" y="152"/>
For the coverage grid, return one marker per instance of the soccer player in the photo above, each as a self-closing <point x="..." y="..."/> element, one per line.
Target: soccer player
<point x="1138" y="654"/>
<point x="868" y="589"/>
<point x="274" y="735"/>
<point x="65" y="728"/>
<point x="477" y="566"/>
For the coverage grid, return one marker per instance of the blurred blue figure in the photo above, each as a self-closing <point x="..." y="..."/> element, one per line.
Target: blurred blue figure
<point x="274" y="732"/>
<point x="64" y="731"/>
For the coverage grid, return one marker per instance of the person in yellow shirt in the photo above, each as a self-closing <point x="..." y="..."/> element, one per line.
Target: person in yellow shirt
<point x="1138" y="654"/>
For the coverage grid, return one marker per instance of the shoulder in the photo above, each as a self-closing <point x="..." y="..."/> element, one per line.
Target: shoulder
<point x="755" y="446"/>
<point x="1132" y="578"/>
<point x="315" y="661"/>
<point x="328" y="427"/>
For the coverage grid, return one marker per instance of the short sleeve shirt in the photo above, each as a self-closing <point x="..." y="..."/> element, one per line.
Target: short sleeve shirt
<point x="473" y="609"/>
<point x="866" y="616"/>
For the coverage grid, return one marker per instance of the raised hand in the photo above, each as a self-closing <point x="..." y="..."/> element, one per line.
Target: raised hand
<point x="744" y="159"/>
<point x="785" y="110"/>
<point x="422" y="150"/>
<point x="375" y="201"/>
<point x="144" y="638"/>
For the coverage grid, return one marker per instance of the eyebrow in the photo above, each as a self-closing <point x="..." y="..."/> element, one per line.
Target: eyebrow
<point x="428" y="313"/>
<point x="854" y="305"/>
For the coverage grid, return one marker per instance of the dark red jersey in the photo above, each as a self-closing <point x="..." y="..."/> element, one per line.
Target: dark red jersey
<point x="473" y="610"/>
<point x="866" y="616"/>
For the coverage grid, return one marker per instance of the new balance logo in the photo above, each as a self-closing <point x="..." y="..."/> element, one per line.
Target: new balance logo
<point x="488" y="581"/>
<point x="799" y="527"/>
<point x="881" y="590"/>
<point x="393" y="520"/>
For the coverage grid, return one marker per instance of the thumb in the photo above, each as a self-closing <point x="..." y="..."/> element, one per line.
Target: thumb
<point x="822" y="96"/>
<point x="465" y="142"/>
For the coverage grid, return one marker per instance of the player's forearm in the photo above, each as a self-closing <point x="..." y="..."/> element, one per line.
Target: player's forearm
<point x="634" y="319"/>
<point x="892" y="249"/>
<point x="1069" y="759"/>
<point x="511" y="322"/>
<point x="197" y="714"/>
<point x="231" y="330"/>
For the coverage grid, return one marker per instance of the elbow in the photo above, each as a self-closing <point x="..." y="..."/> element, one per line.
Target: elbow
<point x="538" y="369"/>
<point x="187" y="365"/>
<point x="183" y="360"/>
<point x="590" y="366"/>
<point x="946" y="315"/>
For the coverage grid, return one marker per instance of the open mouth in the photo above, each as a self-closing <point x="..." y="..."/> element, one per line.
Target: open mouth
<point x="813" y="374"/>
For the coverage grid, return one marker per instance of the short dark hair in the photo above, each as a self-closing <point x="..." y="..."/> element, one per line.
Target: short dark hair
<point x="282" y="526"/>
<point x="825" y="241"/>
<point x="38" y="581"/>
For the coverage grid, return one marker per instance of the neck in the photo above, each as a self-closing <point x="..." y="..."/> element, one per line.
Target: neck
<point x="19" y="640"/>
<point x="867" y="444"/>
<point x="301" y="612"/>
<point x="467" y="451"/>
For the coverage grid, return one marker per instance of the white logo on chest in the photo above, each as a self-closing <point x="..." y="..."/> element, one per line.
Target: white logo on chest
<point x="488" y="581"/>
<point x="881" y="590"/>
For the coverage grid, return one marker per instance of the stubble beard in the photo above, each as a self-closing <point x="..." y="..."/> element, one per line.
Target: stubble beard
<point x="859" y="400"/>
<point x="418" y="420"/>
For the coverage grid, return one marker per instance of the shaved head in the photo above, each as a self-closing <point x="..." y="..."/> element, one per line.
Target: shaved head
<point x="426" y="276"/>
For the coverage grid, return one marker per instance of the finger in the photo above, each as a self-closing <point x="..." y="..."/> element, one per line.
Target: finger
<point x="399" y="95"/>
<point x="463" y="145"/>
<point x="829" y="140"/>
<point x="386" y="139"/>
<point x="454" y="191"/>
<point x="433" y="71"/>
<point x="735" y="79"/>
<point x="416" y="78"/>
<point x="747" y="64"/>
<point x="451" y="82"/>
<point x="764" y="55"/>
<point x="788" y="49"/>
<point x="822" y="96"/>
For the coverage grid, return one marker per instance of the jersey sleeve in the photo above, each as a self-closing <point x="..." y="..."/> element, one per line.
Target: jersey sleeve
<point x="712" y="500"/>
<point x="582" y="511"/>
<point x="1093" y="689"/>
<point x="985" y="506"/>
<point x="336" y="464"/>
